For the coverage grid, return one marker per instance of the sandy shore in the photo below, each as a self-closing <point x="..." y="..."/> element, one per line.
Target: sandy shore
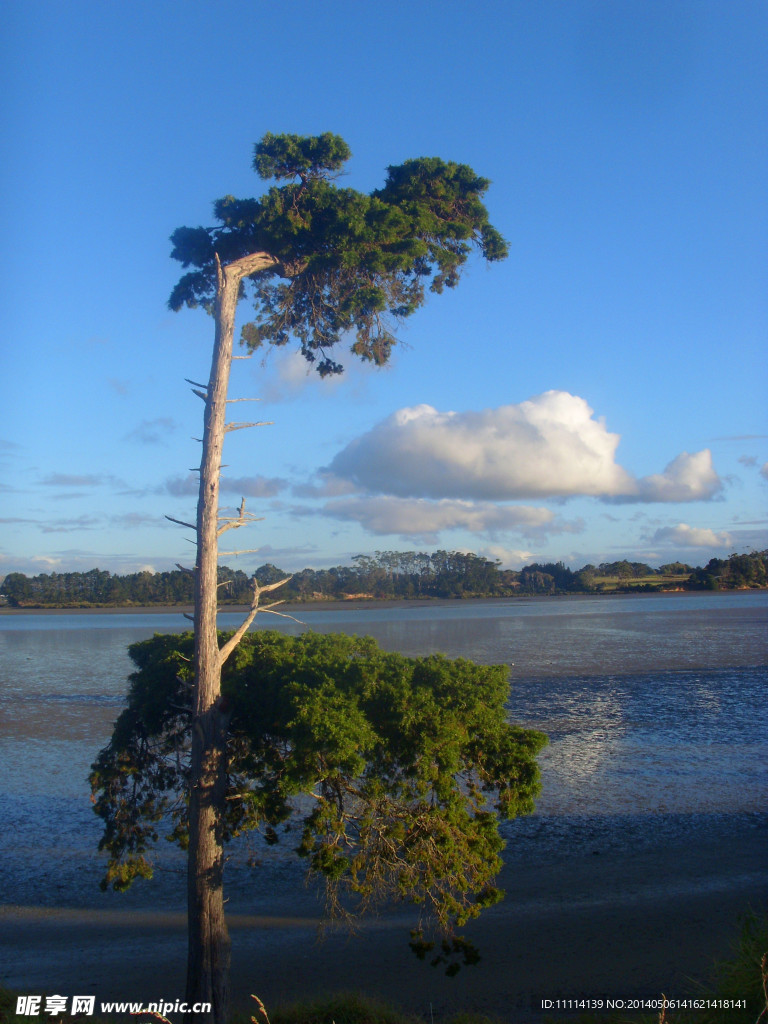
<point x="365" y="604"/>
<point x="604" y="922"/>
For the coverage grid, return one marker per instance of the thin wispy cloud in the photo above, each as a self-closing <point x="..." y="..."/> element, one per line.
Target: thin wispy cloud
<point x="154" y="431"/>
<point x="79" y="481"/>
<point x="741" y="437"/>
<point x="133" y="520"/>
<point x="245" y="486"/>
<point x="75" y="480"/>
<point x="182" y="486"/>
<point x="84" y="522"/>
<point x="423" y="520"/>
<point x="254" y="486"/>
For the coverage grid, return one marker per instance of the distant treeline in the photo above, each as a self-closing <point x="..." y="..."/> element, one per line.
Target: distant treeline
<point x="386" y="574"/>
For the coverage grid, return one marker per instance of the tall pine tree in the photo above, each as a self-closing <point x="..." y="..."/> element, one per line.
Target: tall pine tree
<point x="323" y="265"/>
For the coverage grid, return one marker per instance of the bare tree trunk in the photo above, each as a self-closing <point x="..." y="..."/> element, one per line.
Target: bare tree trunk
<point x="208" y="956"/>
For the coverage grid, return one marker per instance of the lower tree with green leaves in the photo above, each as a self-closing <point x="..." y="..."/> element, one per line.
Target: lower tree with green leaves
<point x="411" y="764"/>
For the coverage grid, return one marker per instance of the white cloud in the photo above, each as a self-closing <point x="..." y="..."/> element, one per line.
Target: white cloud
<point x="421" y="519"/>
<point x="510" y="558"/>
<point x="692" y="537"/>
<point x="686" y="478"/>
<point x="550" y="446"/>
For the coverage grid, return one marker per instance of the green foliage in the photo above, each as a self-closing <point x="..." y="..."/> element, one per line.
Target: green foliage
<point x="625" y="569"/>
<point x="411" y="763"/>
<point x="392" y="574"/>
<point x="738" y="572"/>
<point x="339" y="1009"/>
<point x="348" y="263"/>
<point x="350" y="1008"/>
<point x="296" y="156"/>
<point x="744" y="975"/>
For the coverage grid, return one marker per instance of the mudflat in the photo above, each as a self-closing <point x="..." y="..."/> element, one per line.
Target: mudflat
<point x="611" y="921"/>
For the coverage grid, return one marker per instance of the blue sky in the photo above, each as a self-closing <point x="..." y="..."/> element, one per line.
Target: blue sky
<point x="600" y="394"/>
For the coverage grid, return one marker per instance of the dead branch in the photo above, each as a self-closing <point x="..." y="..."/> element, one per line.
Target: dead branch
<point x="181" y="522"/>
<point x="196" y="384"/>
<point x="235" y="524"/>
<point x="283" y="615"/>
<point x="237" y="636"/>
<point x="242" y="426"/>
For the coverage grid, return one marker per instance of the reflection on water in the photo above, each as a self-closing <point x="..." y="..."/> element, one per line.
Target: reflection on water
<point x="653" y="706"/>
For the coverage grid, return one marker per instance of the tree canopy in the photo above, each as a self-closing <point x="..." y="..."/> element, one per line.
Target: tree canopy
<point x="344" y="262"/>
<point x="384" y="574"/>
<point x="411" y="763"/>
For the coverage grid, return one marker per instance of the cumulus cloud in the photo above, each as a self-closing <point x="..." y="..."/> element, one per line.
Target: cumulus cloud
<point x="686" y="536"/>
<point x="550" y="446"/>
<point x="686" y="478"/>
<point x="421" y="519"/>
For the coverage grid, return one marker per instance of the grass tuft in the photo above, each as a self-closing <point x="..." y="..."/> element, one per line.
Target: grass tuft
<point x="343" y="1008"/>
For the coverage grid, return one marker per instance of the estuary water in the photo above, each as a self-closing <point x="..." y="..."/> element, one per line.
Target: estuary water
<point x="655" y="707"/>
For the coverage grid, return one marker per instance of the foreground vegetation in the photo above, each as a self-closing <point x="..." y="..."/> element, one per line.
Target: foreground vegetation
<point x="395" y="575"/>
<point x="411" y="763"/>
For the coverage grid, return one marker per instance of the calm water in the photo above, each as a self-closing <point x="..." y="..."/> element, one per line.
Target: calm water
<point x="655" y="707"/>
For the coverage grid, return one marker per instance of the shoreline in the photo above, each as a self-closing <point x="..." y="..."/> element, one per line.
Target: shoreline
<point x="364" y="604"/>
<point x="607" y="922"/>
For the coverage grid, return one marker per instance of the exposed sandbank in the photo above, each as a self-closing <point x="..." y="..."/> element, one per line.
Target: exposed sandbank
<point x="610" y="923"/>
